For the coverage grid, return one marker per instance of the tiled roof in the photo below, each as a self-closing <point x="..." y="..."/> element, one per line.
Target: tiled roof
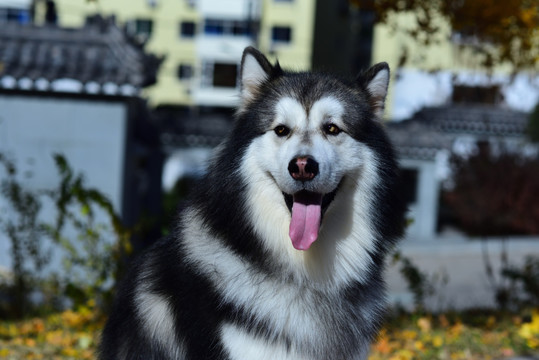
<point x="95" y="59"/>
<point x="435" y="128"/>
<point x="186" y="128"/>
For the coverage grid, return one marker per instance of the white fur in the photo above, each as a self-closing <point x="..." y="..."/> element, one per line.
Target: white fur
<point x="241" y="345"/>
<point x="291" y="310"/>
<point x="327" y="108"/>
<point x="157" y="317"/>
<point x="244" y="285"/>
<point x="377" y="87"/>
<point x="252" y="76"/>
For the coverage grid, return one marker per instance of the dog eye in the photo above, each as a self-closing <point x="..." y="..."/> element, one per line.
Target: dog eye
<point x="331" y="129"/>
<point x="281" y="130"/>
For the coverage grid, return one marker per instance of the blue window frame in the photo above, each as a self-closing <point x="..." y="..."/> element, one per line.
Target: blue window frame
<point x="227" y="27"/>
<point x="21" y="16"/>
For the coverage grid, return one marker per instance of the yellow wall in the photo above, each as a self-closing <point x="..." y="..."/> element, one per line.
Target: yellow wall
<point x="443" y="54"/>
<point x="165" y="39"/>
<point x="299" y="15"/>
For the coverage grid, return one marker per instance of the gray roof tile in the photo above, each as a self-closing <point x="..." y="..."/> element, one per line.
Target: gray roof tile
<point x="98" y="53"/>
<point x="435" y="128"/>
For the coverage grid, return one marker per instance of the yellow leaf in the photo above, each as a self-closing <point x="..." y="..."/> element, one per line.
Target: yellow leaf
<point x="382" y="346"/>
<point x="91" y="303"/>
<point x="533" y="343"/>
<point x="72" y="318"/>
<point x="437" y="341"/>
<point x="55" y="338"/>
<point x="535" y="322"/>
<point x="68" y="351"/>
<point x="491" y="321"/>
<point x="443" y="321"/>
<point x="424" y="324"/>
<point x="409" y="335"/>
<point x="405" y="354"/>
<point x="456" y="330"/>
<point x="526" y="331"/>
<point x="38" y="325"/>
<point x="30" y="342"/>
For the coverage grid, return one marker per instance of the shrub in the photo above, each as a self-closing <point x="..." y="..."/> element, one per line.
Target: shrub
<point x="23" y="229"/>
<point x="495" y="192"/>
<point x="86" y="233"/>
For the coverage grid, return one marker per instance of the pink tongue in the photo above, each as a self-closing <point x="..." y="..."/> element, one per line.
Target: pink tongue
<point x="306" y="214"/>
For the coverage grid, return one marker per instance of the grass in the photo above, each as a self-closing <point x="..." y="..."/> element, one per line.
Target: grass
<point x="453" y="336"/>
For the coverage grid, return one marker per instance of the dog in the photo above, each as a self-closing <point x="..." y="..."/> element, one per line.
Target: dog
<point x="279" y="254"/>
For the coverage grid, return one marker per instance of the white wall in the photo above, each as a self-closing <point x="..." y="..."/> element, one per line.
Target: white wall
<point x="415" y="89"/>
<point x="90" y="134"/>
<point x="424" y="211"/>
<point x="18" y="4"/>
<point x="229" y="9"/>
<point x="456" y="267"/>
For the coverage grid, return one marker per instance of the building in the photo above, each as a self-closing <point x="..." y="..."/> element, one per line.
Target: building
<point x="202" y="40"/>
<point x="425" y="141"/>
<point x="77" y="92"/>
<point x="446" y="101"/>
<point x="431" y="72"/>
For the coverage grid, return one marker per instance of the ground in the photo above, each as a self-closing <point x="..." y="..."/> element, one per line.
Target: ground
<point x="471" y="335"/>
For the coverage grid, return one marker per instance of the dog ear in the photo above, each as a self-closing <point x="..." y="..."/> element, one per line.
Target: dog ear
<point x="375" y="81"/>
<point x="255" y="70"/>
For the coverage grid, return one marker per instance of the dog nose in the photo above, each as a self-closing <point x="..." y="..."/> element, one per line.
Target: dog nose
<point x="303" y="168"/>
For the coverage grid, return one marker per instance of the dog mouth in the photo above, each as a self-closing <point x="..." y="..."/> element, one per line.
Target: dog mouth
<point x="307" y="209"/>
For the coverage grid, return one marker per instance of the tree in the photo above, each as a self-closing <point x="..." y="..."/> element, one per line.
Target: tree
<point x="499" y="31"/>
<point x="495" y="192"/>
<point x="533" y="125"/>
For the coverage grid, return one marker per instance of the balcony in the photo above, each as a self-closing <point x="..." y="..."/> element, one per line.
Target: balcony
<point x="230" y="9"/>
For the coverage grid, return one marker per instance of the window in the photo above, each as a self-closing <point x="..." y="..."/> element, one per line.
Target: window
<point x="240" y="28"/>
<point x="281" y="34"/>
<point x="140" y="27"/>
<point x="218" y="75"/>
<point x="185" y="71"/>
<point x="213" y="27"/>
<point x="187" y="29"/>
<point x="143" y="27"/>
<point x="20" y="16"/>
<point x="477" y="94"/>
<point x="225" y="75"/>
<point x="409" y="185"/>
<point x="227" y="27"/>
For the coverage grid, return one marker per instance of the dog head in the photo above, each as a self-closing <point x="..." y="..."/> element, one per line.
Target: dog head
<point x="313" y="132"/>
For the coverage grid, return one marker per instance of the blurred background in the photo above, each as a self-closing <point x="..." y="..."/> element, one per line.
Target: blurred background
<point x="109" y="110"/>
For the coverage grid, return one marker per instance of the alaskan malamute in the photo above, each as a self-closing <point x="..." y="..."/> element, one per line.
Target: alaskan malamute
<point x="280" y="253"/>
